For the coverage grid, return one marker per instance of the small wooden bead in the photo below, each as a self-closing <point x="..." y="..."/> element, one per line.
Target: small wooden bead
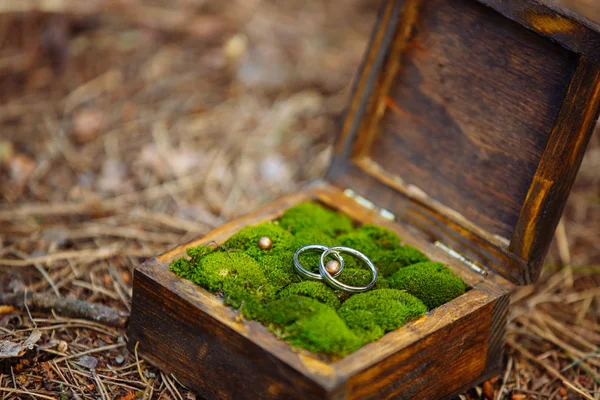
<point x="265" y="243"/>
<point x="332" y="266"/>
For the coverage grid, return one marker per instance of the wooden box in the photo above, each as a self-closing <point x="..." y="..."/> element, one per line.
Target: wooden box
<point x="465" y="131"/>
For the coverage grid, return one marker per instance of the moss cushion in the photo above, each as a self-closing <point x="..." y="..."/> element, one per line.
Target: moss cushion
<point x="432" y="282"/>
<point x="373" y="313"/>
<point x="264" y="286"/>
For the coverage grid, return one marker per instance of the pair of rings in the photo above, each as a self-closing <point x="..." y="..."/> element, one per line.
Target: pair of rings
<point x="325" y="275"/>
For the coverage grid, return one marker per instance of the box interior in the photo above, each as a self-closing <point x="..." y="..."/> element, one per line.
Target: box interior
<point x="466" y="111"/>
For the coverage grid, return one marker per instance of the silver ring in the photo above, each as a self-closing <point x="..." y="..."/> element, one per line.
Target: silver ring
<point x="339" y="285"/>
<point x="312" y="275"/>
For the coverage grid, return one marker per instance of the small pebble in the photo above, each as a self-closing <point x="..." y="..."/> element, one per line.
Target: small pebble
<point x="87" y="124"/>
<point x="265" y="243"/>
<point x="119" y="359"/>
<point x="332" y="266"/>
<point x="62" y="346"/>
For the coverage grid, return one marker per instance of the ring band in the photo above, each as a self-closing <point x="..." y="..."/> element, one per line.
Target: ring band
<point x="312" y="275"/>
<point x="337" y="284"/>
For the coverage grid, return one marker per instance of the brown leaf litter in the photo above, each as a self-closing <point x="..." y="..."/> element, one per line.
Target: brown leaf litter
<point x="10" y="349"/>
<point x="129" y="127"/>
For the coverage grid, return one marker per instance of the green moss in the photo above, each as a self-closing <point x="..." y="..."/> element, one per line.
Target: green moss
<point x="279" y="269"/>
<point x="382" y="283"/>
<point x="360" y="241"/>
<point x="196" y="253"/>
<point x="311" y="236"/>
<point x="313" y="216"/>
<point x="355" y="276"/>
<point x="185" y="268"/>
<point x="377" y="311"/>
<point x="389" y="261"/>
<point x="264" y="285"/>
<point x="182" y="267"/>
<point x="324" y="332"/>
<point x="247" y="239"/>
<point x="362" y="323"/>
<point x="232" y="272"/>
<point x="371" y="240"/>
<point x="309" y="324"/>
<point x="383" y="237"/>
<point x="288" y="310"/>
<point x="249" y="305"/>
<point x="432" y="282"/>
<point x="313" y="289"/>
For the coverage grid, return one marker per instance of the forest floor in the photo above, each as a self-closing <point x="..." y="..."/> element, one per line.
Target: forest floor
<point x="127" y="127"/>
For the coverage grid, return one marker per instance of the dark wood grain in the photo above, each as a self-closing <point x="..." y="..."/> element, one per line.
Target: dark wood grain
<point x="588" y="8"/>
<point x="189" y="332"/>
<point x="458" y="120"/>
<point x="573" y="30"/>
<point x="469" y="112"/>
<point x="558" y="167"/>
<point x="387" y="21"/>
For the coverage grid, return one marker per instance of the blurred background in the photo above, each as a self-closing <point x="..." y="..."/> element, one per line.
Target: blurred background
<point x="129" y="126"/>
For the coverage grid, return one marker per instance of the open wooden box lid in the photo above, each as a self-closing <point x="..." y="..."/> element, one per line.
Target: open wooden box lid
<point x="469" y="121"/>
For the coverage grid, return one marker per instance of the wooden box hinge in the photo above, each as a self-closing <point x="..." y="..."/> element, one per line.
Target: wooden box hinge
<point x="471" y="264"/>
<point x="366" y="203"/>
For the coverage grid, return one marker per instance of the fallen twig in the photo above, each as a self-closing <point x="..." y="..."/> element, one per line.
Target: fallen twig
<point x="25" y="392"/>
<point x="90" y="351"/>
<point x="70" y="307"/>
